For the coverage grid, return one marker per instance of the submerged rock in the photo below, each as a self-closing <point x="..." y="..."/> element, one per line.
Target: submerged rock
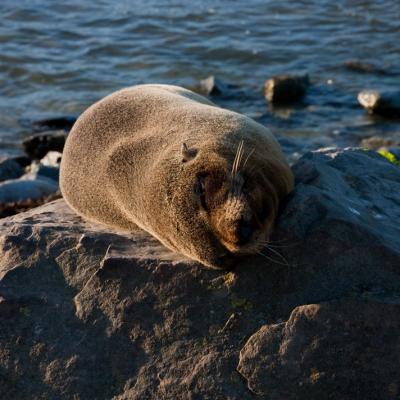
<point x="365" y="67"/>
<point x="88" y="312"/>
<point x="386" y="104"/>
<point x="37" y="146"/>
<point x="286" y="89"/>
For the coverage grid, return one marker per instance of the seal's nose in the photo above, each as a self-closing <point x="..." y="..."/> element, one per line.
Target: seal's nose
<point x="244" y="232"/>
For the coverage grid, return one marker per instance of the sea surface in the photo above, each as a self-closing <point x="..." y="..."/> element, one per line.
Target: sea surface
<point x="57" y="58"/>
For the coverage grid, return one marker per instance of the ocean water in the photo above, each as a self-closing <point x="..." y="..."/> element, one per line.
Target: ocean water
<point x="57" y="58"/>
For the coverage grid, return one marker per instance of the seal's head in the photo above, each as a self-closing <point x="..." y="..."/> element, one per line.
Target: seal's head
<point x="227" y="202"/>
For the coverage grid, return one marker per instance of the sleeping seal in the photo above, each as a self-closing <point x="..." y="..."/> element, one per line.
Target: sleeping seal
<point x="203" y="180"/>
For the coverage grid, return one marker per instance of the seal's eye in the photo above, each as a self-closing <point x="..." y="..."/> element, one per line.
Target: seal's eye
<point x="200" y="190"/>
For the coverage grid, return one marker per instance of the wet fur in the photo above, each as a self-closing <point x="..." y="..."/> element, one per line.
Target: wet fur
<point x="125" y="165"/>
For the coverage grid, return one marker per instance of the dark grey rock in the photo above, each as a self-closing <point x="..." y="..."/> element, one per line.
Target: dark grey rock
<point x="386" y="104"/>
<point x="88" y="312"/>
<point x="286" y="89"/>
<point x="37" y="146"/>
<point x="10" y="169"/>
<point x="341" y="222"/>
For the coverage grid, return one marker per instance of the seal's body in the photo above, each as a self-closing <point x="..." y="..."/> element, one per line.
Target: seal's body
<point x="203" y="180"/>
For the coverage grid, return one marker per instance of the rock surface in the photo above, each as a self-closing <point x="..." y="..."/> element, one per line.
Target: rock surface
<point x="86" y="312"/>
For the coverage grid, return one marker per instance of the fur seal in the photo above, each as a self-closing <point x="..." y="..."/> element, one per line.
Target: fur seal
<point x="203" y="180"/>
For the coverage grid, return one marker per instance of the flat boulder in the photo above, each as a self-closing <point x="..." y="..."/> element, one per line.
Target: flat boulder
<point x="89" y="312"/>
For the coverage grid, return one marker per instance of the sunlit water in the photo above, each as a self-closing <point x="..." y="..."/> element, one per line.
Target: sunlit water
<point x="59" y="57"/>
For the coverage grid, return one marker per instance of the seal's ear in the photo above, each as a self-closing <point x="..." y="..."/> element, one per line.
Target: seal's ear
<point x="187" y="154"/>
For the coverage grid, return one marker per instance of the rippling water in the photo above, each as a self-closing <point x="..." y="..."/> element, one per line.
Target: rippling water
<point x="59" y="57"/>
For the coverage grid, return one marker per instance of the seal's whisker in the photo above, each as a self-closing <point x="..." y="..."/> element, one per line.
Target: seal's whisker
<point x="278" y="241"/>
<point x="275" y="246"/>
<point x="278" y="254"/>
<point x="238" y="158"/>
<point x="271" y="259"/>
<point x="251" y="172"/>
<point x="235" y="160"/>
<point x="247" y="158"/>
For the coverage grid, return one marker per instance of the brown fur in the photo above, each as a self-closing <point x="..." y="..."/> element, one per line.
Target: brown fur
<point x="124" y="165"/>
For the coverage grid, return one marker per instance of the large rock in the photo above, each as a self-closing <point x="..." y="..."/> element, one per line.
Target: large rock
<point x="87" y="312"/>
